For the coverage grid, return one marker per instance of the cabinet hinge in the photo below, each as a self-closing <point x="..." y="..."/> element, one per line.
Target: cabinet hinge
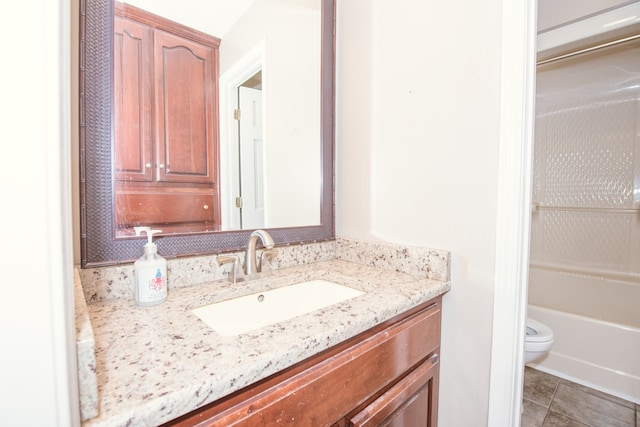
<point x="236" y="114"/>
<point x="239" y="202"/>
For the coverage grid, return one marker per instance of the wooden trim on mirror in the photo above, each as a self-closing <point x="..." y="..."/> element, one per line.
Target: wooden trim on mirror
<point x="99" y="246"/>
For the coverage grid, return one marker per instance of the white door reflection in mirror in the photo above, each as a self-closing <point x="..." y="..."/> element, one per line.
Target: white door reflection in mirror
<point x="251" y="141"/>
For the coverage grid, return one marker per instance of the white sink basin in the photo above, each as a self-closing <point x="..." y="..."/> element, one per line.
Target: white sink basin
<point x="249" y="312"/>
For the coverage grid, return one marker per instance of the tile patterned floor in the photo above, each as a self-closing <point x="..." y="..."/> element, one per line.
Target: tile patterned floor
<point x="550" y="401"/>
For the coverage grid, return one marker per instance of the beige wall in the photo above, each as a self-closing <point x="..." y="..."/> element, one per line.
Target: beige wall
<point x="39" y="380"/>
<point x="417" y="151"/>
<point x="552" y="13"/>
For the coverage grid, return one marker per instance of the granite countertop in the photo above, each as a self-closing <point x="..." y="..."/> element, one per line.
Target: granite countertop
<point x="85" y="351"/>
<point x="157" y="363"/>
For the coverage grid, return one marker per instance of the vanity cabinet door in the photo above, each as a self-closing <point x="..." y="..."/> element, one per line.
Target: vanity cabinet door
<point x="165" y="105"/>
<point x="133" y="50"/>
<point x="411" y="402"/>
<point x="186" y="85"/>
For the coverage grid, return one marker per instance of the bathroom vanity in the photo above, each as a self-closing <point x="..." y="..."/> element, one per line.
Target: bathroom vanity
<point x="387" y="375"/>
<point x="370" y="358"/>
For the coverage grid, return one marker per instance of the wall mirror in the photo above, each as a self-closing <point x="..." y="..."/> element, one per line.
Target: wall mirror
<point x="279" y="178"/>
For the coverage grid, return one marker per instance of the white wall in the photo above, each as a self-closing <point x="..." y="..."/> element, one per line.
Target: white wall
<point x="37" y="358"/>
<point x="417" y="155"/>
<point x="552" y="13"/>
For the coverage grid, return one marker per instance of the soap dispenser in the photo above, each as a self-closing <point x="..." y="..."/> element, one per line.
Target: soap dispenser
<point x="150" y="272"/>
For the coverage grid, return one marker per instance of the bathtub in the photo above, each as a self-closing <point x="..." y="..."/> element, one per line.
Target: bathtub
<point x="596" y="324"/>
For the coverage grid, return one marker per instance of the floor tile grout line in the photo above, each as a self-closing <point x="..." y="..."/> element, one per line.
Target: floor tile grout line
<point x="635" y="407"/>
<point x="546" y="414"/>
<point x="553" y="396"/>
<point x="587" y="390"/>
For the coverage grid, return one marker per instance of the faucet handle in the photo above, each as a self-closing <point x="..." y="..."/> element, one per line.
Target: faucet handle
<point x="235" y="273"/>
<point x="265" y="257"/>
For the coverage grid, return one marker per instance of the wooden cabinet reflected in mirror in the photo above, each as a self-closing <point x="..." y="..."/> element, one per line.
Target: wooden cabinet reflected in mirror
<point x="166" y="164"/>
<point x="146" y="161"/>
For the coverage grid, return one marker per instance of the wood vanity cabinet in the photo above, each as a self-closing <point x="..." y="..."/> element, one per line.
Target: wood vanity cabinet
<point x="387" y="376"/>
<point x="165" y="115"/>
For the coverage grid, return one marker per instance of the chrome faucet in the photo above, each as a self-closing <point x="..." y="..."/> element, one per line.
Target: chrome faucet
<point x="252" y="269"/>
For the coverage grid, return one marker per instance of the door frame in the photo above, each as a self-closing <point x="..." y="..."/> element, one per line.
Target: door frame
<point x="252" y="62"/>
<point x="513" y="218"/>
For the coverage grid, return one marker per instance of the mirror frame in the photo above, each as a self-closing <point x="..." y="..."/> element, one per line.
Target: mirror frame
<point x="99" y="246"/>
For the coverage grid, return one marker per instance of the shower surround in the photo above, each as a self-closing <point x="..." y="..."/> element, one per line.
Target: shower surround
<point x="584" y="280"/>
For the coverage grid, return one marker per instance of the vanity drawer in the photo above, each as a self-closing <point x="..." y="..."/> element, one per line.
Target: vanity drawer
<point x="135" y="209"/>
<point x="410" y="402"/>
<point x="329" y="387"/>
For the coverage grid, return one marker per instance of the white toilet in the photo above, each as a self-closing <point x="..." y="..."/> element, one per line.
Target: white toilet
<point x="538" y="342"/>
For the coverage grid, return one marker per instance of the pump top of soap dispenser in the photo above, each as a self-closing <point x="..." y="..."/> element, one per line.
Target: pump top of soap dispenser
<point x="150" y="248"/>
